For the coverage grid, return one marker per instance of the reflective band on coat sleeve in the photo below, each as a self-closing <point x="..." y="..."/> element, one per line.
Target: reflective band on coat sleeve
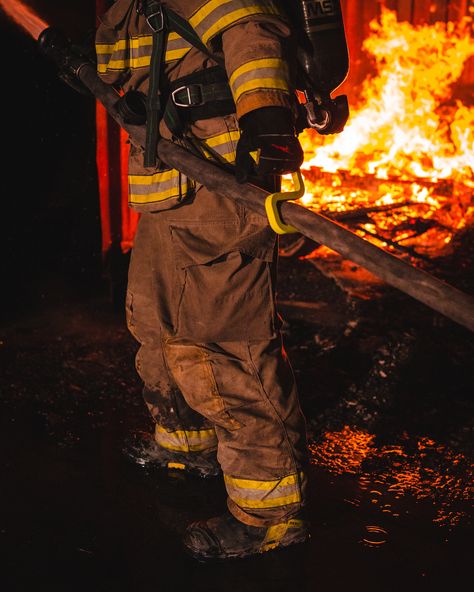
<point x="147" y="189"/>
<point x="252" y="494"/>
<point x="261" y="74"/>
<point x="224" y="145"/>
<point x="135" y="52"/>
<point x="186" y="440"/>
<point x="214" y="16"/>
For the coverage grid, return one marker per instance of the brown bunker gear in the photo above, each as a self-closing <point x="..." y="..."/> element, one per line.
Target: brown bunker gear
<point x="201" y="294"/>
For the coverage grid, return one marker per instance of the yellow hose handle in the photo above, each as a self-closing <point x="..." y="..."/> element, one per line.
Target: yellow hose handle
<point x="272" y="201"/>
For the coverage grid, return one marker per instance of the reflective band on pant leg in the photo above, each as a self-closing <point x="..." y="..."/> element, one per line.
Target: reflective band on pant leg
<point x="186" y="440"/>
<point x="252" y="494"/>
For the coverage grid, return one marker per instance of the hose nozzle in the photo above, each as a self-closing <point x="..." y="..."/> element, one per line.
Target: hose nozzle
<point x="68" y="58"/>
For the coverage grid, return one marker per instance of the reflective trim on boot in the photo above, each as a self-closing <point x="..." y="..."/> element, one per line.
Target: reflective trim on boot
<point x="186" y="440"/>
<point x="225" y="537"/>
<point x="253" y="494"/>
<point x="143" y="450"/>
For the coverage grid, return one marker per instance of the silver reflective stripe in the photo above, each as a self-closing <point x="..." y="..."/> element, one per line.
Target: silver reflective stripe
<point x="186" y="440"/>
<point x="216" y="15"/>
<point x="250" y="493"/>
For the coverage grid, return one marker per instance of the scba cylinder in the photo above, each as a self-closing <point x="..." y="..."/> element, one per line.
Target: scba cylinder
<point x="322" y="52"/>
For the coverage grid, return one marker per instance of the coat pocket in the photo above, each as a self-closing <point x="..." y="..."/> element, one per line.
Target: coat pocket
<point x="228" y="282"/>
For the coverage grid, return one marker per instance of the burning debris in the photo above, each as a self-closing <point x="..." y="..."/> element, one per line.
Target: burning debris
<point x="406" y="157"/>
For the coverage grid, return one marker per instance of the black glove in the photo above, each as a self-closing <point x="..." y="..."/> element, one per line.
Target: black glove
<point x="268" y="144"/>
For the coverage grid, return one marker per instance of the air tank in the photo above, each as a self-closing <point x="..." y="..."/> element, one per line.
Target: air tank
<point x="323" y="60"/>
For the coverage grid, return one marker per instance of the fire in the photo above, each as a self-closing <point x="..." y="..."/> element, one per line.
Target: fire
<point x="24" y="16"/>
<point x="407" y="142"/>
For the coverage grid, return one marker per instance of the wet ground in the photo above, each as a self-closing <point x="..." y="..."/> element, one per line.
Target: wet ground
<point x="386" y="387"/>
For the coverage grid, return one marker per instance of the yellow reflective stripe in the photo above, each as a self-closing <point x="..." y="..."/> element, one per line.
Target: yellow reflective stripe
<point x="226" y="14"/>
<point x="140" y="62"/>
<point x="222" y="138"/>
<point x="133" y="42"/>
<point x="138" y="199"/>
<point x="173" y="36"/>
<point x="131" y="46"/>
<point x="261" y="485"/>
<point x="158" y="177"/>
<point x="185" y="440"/>
<point x="276" y="63"/>
<point x="122" y="44"/>
<point x="228" y="20"/>
<point x="274" y="535"/>
<point x="253" y="493"/>
<point x="294" y="523"/>
<point x="208" y="433"/>
<point x="261" y="84"/>
<point x="223" y="144"/>
<point x="146" y="189"/>
<point x="180" y="466"/>
<point x="176" y="54"/>
<point x="102" y="48"/>
<point x="206" y="10"/>
<point x="273" y="502"/>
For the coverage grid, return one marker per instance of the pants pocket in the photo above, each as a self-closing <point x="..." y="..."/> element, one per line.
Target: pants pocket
<point x="227" y="289"/>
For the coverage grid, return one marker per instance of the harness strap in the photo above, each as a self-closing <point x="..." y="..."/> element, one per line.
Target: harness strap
<point x="200" y="95"/>
<point x="156" y="18"/>
<point x="184" y="30"/>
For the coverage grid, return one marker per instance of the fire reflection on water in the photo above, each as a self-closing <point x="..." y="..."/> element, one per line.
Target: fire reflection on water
<point x="431" y="472"/>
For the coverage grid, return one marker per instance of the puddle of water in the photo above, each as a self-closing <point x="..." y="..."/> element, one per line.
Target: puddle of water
<point x="375" y="536"/>
<point x="422" y="469"/>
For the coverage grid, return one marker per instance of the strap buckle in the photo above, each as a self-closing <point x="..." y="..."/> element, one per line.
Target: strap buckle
<point x="161" y="25"/>
<point x="189" y="95"/>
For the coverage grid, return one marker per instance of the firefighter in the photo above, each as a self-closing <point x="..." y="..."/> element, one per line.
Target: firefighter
<point x="212" y="75"/>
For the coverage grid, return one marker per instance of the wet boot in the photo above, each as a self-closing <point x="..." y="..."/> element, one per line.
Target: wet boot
<point x="144" y="451"/>
<point x="225" y="537"/>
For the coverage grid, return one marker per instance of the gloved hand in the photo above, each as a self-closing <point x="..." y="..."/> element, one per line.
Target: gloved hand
<point x="268" y="144"/>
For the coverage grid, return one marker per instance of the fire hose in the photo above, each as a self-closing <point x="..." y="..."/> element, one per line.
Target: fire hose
<point x="441" y="297"/>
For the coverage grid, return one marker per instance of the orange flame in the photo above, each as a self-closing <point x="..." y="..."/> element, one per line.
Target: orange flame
<point x="406" y="141"/>
<point x="24" y="16"/>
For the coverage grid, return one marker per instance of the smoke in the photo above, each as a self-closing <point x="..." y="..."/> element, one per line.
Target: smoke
<point x="24" y="16"/>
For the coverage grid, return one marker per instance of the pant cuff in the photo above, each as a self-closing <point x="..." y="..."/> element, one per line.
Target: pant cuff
<point x="260" y="521"/>
<point x="186" y="440"/>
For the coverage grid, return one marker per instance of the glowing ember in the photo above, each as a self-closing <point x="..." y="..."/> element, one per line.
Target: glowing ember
<point x="24" y="16"/>
<point x="406" y="142"/>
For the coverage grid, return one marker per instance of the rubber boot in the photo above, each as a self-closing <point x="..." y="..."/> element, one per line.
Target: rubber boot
<point x="225" y="537"/>
<point x="144" y="451"/>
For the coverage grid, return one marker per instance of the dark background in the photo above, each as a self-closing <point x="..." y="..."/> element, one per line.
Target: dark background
<point x="50" y="209"/>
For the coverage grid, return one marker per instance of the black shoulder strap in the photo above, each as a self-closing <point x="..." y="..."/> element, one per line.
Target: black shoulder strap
<point x="183" y="28"/>
<point x="161" y="20"/>
<point x="156" y="18"/>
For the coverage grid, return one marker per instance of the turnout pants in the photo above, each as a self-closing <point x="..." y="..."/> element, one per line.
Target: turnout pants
<point x="201" y="303"/>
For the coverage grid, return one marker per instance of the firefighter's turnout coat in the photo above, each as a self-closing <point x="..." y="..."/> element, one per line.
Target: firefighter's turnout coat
<point x="202" y="276"/>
